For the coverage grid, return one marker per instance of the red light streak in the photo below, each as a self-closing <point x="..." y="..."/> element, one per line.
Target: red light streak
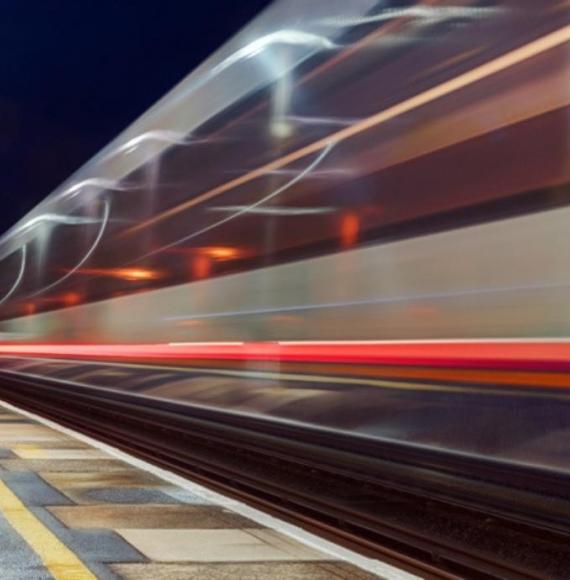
<point x="544" y="356"/>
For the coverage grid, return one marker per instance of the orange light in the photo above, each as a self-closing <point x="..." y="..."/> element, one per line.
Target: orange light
<point x="201" y="266"/>
<point x="349" y="230"/>
<point x="71" y="298"/>
<point x="220" y="252"/>
<point x="136" y="274"/>
<point x="131" y="274"/>
<point x="30" y="308"/>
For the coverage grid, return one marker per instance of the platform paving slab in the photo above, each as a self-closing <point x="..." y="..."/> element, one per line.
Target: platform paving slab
<point x="92" y="480"/>
<point x="225" y="545"/>
<point x="24" y="432"/>
<point x="39" y="453"/>
<point x="136" y="517"/>
<point x="53" y="465"/>
<point x="112" y="520"/>
<point x="57" y="444"/>
<point x="127" y="495"/>
<point x="241" y="571"/>
<point x="32" y="489"/>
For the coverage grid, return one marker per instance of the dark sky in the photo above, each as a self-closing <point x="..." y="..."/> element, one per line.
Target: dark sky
<point x="74" y="73"/>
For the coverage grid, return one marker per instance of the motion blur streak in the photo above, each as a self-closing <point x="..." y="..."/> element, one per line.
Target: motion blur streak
<point x="423" y="12"/>
<point x="519" y="55"/>
<point x="23" y="251"/>
<point x="96" y="184"/>
<point x="103" y="221"/>
<point x="300" y="176"/>
<point x="352" y="219"/>
<point x="134" y="274"/>
<point x="549" y="355"/>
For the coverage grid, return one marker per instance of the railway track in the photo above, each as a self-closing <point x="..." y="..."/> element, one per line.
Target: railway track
<point x="423" y="512"/>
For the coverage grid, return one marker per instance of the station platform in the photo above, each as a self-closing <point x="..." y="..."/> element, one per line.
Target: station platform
<point x="72" y="510"/>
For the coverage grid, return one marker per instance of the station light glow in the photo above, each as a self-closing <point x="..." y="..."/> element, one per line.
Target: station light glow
<point x="130" y="274"/>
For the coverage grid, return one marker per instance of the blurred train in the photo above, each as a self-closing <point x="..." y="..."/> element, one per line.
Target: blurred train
<point x="383" y="185"/>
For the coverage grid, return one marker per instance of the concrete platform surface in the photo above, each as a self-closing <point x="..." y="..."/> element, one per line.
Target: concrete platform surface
<point x="72" y="511"/>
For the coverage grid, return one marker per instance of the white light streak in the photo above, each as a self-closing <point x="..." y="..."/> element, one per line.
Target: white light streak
<point x="273" y="210"/>
<point x="95" y="183"/>
<point x="286" y="36"/>
<point x="54" y="218"/>
<point x="103" y="220"/>
<point x="338" y="121"/>
<point x="159" y="135"/>
<point x="426" y="13"/>
<point x="23" y="252"/>
<point x="370" y="302"/>
<point x="325" y="151"/>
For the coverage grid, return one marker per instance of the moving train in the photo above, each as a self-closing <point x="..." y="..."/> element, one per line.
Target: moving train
<point x="354" y="215"/>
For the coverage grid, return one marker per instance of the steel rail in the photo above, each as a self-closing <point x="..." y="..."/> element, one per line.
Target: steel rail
<point x="323" y="489"/>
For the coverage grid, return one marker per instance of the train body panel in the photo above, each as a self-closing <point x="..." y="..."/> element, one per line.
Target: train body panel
<point x="507" y="279"/>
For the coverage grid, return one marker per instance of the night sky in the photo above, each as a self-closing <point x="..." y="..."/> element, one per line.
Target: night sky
<point x="74" y="73"/>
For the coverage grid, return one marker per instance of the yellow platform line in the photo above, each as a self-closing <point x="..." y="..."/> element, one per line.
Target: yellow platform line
<point x="60" y="561"/>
